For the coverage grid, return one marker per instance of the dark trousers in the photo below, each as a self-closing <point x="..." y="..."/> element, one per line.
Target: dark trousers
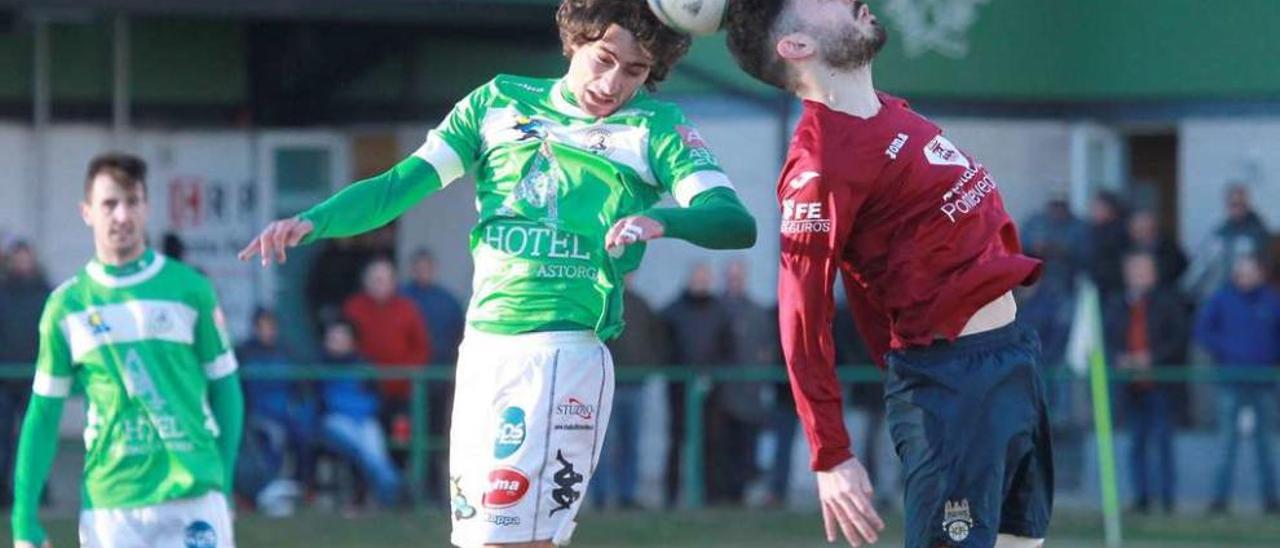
<point x="1151" y="431"/>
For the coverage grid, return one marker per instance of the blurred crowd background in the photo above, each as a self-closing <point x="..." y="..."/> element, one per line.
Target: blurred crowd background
<point x="1146" y="176"/>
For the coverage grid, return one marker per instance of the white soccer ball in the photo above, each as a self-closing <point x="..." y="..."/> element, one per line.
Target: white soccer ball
<point x="696" y="17"/>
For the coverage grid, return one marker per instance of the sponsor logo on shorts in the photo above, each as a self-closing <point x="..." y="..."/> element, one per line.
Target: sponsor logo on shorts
<point x="507" y="486"/>
<point x="511" y="432"/>
<point x="501" y="520"/>
<point x="200" y="535"/>
<point x="458" y="500"/>
<point x="956" y="520"/>
<point x="573" y="408"/>
<point x="566" y="479"/>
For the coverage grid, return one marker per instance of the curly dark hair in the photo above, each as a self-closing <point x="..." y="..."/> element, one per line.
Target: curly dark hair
<point x="752" y="27"/>
<point x="585" y="21"/>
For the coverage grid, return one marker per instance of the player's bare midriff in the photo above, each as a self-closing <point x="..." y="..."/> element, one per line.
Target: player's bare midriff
<point x="993" y="315"/>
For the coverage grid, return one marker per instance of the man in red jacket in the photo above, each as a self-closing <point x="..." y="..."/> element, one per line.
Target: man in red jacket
<point x="389" y="330"/>
<point x="918" y="232"/>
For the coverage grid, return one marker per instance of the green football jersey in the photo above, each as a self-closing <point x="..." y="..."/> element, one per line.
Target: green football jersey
<point x="144" y="340"/>
<point x="551" y="180"/>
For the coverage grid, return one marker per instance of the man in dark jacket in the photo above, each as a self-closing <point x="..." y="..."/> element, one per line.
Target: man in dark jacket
<point x="22" y="296"/>
<point x="1241" y="234"/>
<point x="1147" y="329"/>
<point x="701" y="335"/>
<point x="1145" y="236"/>
<point x="1108" y="239"/>
<point x="642" y="344"/>
<point x="1240" y="327"/>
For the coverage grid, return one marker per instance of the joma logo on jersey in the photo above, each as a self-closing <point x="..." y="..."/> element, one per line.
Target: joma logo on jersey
<point x="896" y="146"/>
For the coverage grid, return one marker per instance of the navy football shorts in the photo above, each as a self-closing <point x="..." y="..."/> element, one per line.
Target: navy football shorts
<point x="969" y="422"/>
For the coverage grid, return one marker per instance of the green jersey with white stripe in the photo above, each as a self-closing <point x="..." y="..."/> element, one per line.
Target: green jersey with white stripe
<point x="143" y="340"/>
<point x="550" y="182"/>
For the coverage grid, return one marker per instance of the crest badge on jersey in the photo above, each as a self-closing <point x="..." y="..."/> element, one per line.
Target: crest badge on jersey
<point x="600" y="141"/>
<point x="940" y="152"/>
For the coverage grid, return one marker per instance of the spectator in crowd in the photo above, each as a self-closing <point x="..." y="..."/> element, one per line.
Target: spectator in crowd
<point x="738" y="410"/>
<point x="701" y="335"/>
<point x="282" y="416"/>
<point x="782" y="422"/>
<point x="445" y="321"/>
<point x="642" y="344"/>
<point x="440" y="310"/>
<point x="1108" y="239"/>
<point x="334" y="277"/>
<point x="1145" y="236"/>
<point x="172" y="246"/>
<point x="1243" y="233"/>
<point x="23" y="291"/>
<point x="1147" y="329"/>
<point x="390" y="333"/>
<point x="1058" y="237"/>
<point x="350" y="421"/>
<point x="1240" y="328"/>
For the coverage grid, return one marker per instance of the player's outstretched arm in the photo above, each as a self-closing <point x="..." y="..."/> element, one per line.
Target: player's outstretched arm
<point x="845" y="493"/>
<point x="359" y="208"/>
<point x="226" y="400"/>
<point x="37" y="446"/>
<point x="715" y="219"/>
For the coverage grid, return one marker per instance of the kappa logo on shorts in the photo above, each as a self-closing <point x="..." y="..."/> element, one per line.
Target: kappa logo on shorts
<point x="200" y="535"/>
<point x="511" y="432"/>
<point x="956" y="520"/>
<point x="566" y="478"/>
<point x="507" y="486"/>
<point x="501" y="520"/>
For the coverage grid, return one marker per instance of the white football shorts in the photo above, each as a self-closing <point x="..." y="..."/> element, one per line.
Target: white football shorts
<point x="197" y="522"/>
<point x="529" y="415"/>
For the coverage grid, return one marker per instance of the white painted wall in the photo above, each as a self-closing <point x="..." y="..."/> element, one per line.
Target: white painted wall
<point x="1212" y="153"/>
<point x="1029" y="158"/>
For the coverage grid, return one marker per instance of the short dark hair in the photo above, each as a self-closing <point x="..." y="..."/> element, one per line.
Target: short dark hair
<point x="584" y="21"/>
<point x="125" y="169"/>
<point x="752" y="29"/>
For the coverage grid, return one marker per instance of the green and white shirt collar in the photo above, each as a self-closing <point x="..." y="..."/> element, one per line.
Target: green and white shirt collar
<point x="139" y="270"/>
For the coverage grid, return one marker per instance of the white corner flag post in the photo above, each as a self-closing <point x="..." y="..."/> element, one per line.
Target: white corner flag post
<point x="1086" y="352"/>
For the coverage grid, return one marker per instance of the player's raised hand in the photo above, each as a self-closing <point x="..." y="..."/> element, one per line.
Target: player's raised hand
<point x="629" y="230"/>
<point x="845" y="493"/>
<point x="275" y="239"/>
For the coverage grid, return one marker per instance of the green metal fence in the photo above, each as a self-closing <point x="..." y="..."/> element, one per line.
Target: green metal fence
<point x="698" y="382"/>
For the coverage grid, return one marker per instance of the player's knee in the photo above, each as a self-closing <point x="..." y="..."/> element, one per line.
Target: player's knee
<point x="1011" y="541"/>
